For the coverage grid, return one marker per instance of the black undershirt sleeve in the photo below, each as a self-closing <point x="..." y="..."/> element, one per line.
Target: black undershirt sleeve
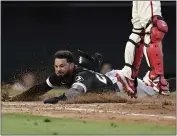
<point x="32" y="93"/>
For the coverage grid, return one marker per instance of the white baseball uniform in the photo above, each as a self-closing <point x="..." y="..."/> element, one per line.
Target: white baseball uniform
<point x="149" y="29"/>
<point x="142" y="11"/>
<point x="142" y="88"/>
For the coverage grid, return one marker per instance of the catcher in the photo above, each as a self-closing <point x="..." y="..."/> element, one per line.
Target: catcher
<point x="149" y="29"/>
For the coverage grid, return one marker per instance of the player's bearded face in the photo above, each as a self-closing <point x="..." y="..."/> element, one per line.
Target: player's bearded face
<point x="62" y="67"/>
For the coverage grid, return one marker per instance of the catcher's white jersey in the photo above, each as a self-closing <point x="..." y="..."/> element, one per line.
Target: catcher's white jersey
<point x="142" y="88"/>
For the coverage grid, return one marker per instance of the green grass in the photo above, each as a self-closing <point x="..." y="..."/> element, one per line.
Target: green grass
<point x="30" y="124"/>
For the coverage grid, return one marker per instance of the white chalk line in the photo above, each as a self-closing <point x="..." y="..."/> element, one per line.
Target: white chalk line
<point x="122" y="113"/>
<point x="92" y="110"/>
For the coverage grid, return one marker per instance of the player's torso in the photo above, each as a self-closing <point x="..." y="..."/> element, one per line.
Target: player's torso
<point x="93" y="80"/>
<point x="101" y="82"/>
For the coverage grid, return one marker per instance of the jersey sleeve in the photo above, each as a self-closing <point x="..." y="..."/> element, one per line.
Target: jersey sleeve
<point x="83" y="79"/>
<point x="54" y="81"/>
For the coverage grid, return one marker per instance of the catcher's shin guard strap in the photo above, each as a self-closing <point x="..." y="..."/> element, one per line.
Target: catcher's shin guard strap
<point x="138" y="31"/>
<point x="134" y="43"/>
<point x="139" y="28"/>
<point x="131" y="66"/>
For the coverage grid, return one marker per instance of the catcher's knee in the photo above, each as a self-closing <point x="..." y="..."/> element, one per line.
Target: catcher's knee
<point x="160" y="23"/>
<point x="158" y="29"/>
<point x="155" y="31"/>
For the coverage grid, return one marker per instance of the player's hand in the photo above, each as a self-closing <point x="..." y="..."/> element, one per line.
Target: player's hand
<point x="55" y="100"/>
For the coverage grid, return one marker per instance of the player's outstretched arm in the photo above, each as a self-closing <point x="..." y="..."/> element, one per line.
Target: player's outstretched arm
<point x="32" y="93"/>
<point x="74" y="91"/>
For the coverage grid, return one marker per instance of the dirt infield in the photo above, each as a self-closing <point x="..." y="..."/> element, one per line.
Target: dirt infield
<point x="143" y="110"/>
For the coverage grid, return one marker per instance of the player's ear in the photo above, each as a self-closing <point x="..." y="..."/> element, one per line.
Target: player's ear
<point x="71" y="65"/>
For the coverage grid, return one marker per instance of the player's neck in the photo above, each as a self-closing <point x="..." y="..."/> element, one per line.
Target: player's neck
<point x="71" y="73"/>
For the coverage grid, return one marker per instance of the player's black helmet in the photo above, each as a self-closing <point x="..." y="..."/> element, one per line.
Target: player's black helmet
<point x="90" y="62"/>
<point x="98" y="60"/>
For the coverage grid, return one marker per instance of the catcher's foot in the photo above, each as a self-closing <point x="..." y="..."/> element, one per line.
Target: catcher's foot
<point x="128" y="85"/>
<point x="160" y="85"/>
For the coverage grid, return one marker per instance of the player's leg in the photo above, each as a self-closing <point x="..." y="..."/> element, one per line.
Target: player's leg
<point x="155" y="32"/>
<point x="144" y="90"/>
<point x="133" y="52"/>
<point x="147" y="9"/>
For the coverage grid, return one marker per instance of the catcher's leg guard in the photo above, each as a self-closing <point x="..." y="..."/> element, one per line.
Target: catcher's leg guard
<point x="155" y="32"/>
<point x="133" y="57"/>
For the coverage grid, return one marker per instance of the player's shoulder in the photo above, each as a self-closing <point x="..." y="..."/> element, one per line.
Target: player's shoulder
<point x="55" y="77"/>
<point x="82" y="70"/>
<point x="54" y="80"/>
